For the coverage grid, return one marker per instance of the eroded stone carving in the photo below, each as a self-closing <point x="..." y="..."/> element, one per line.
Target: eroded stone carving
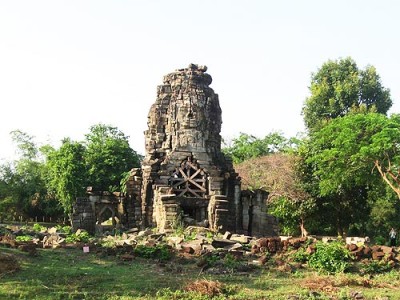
<point x="184" y="172"/>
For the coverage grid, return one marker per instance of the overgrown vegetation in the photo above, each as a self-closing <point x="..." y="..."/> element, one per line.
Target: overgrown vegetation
<point x="43" y="182"/>
<point x="160" y="252"/>
<point x="330" y="257"/>
<point x="375" y="267"/>
<point x="81" y="236"/>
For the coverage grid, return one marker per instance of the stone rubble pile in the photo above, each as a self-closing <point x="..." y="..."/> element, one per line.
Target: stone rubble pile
<point x="198" y="243"/>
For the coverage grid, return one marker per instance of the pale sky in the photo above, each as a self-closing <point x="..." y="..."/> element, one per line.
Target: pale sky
<point x="67" y="65"/>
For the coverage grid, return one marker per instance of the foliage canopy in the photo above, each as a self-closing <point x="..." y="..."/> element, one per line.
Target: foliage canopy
<point x="340" y="87"/>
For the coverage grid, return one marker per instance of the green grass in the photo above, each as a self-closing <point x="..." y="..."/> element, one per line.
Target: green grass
<point x="72" y="274"/>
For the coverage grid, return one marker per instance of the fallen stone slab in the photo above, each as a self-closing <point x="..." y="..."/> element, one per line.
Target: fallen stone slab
<point x="227" y="235"/>
<point x="132" y="230"/>
<point x="192" y="247"/>
<point x="236" y="246"/>
<point x="221" y="243"/>
<point x="174" y="241"/>
<point x="240" y="238"/>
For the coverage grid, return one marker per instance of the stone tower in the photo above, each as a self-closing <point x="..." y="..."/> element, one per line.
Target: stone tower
<point x="184" y="175"/>
<point x="184" y="172"/>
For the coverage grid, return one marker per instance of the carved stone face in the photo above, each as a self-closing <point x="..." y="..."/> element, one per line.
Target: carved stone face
<point x="186" y="115"/>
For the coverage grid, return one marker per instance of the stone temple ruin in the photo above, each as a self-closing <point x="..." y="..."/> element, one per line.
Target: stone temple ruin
<point x="184" y="176"/>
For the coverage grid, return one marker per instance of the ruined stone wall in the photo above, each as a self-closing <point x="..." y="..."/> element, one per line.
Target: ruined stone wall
<point x="134" y="199"/>
<point x="89" y="212"/>
<point x="256" y="220"/>
<point x="83" y="216"/>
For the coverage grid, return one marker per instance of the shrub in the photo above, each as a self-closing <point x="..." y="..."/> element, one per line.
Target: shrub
<point x="23" y="238"/>
<point x="380" y="240"/>
<point x="374" y="267"/>
<point x="300" y="256"/>
<point x="64" y="229"/>
<point x="231" y="262"/>
<point x="330" y="257"/>
<point x="161" y="252"/>
<point x="82" y="236"/>
<point x="39" y="228"/>
<point x="212" y="260"/>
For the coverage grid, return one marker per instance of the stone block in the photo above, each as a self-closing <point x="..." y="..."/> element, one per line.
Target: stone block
<point x="243" y="239"/>
<point x="221" y="243"/>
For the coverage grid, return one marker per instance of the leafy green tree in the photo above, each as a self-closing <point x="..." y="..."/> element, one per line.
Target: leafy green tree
<point x="294" y="215"/>
<point x="348" y="149"/>
<point x="9" y="200"/>
<point x="101" y="161"/>
<point x="66" y="172"/>
<point x="384" y="215"/>
<point x="23" y="190"/>
<point x="339" y="87"/>
<point x="107" y="157"/>
<point x="348" y="157"/>
<point x="248" y="146"/>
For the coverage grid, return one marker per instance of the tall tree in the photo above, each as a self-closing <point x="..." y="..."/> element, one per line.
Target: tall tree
<point x="108" y="156"/>
<point x="339" y="87"/>
<point x="24" y="191"/>
<point x="350" y="154"/>
<point x="66" y="172"/>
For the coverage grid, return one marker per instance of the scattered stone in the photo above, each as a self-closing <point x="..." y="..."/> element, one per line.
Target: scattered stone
<point x="243" y="239"/>
<point x="310" y="249"/>
<point x="378" y="255"/>
<point x="367" y="251"/>
<point x="352" y="247"/>
<point x="233" y="247"/>
<point x="187" y="249"/>
<point x="195" y="245"/>
<point x="386" y="249"/>
<point x="357" y="240"/>
<point x="207" y="247"/>
<point x="52" y="230"/>
<point x="357" y="295"/>
<point x="262" y="260"/>
<point x="221" y="243"/>
<point x="255" y="249"/>
<point x="157" y="236"/>
<point x="8" y="241"/>
<point x="237" y="254"/>
<point x="150" y="243"/>
<point x="145" y="233"/>
<point x="227" y="235"/>
<point x="272" y="245"/>
<point x="174" y="241"/>
<point x="52" y="241"/>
